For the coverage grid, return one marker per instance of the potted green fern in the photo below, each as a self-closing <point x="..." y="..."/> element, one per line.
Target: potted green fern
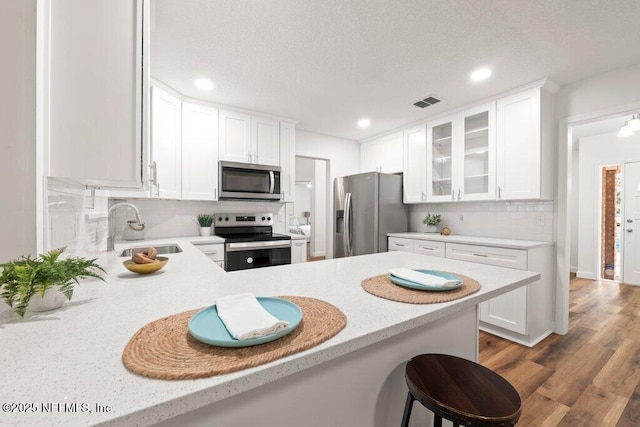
<point x="45" y="282"/>
<point x="205" y="221"/>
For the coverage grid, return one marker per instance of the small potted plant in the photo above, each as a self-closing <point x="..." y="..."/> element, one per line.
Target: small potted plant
<point x="205" y="221"/>
<point x="431" y="222"/>
<point x="43" y="283"/>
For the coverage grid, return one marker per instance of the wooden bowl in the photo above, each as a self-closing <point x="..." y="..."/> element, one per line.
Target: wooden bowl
<point x="161" y="261"/>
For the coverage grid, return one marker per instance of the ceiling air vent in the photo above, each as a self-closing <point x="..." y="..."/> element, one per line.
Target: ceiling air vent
<point x="425" y="102"/>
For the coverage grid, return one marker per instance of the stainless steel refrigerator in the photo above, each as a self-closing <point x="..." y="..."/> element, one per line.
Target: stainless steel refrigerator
<point x="366" y="207"/>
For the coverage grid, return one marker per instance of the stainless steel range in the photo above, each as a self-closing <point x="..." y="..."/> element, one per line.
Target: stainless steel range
<point x="250" y="241"/>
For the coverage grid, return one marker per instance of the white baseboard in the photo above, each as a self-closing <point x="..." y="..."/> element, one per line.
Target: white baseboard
<point x="315" y="254"/>
<point x="573" y="269"/>
<point x="586" y="275"/>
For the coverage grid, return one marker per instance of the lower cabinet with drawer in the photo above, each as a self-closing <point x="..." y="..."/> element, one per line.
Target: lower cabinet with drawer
<point x="524" y="315"/>
<point x="298" y="250"/>
<point x="215" y="251"/>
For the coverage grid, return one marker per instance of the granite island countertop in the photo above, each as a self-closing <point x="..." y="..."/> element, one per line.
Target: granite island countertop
<point x="73" y="354"/>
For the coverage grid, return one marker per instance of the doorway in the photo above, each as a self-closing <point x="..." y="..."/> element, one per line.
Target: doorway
<point x="311" y="204"/>
<point x="610" y="223"/>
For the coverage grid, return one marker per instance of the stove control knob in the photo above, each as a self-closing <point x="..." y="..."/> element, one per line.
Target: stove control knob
<point x="249" y="260"/>
<point x="268" y="218"/>
<point x="219" y="219"/>
<point x="226" y="218"/>
<point x="263" y="218"/>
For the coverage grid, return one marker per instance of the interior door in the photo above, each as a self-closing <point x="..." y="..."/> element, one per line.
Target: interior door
<point x="631" y="224"/>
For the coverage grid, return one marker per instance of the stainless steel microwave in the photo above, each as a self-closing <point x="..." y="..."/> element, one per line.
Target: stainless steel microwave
<point x="249" y="181"/>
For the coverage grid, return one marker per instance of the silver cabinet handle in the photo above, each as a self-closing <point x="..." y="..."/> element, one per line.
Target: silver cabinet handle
<point x="458" y="194"/>
<point x="399" y="244"/>
<point x="215" y="193"/>
<point x="453" y="194"/>
<point x="250" y="157"/>
<point x="629" y="230"/>
<point x="423" y="196"/>
<point x="629" y="220"/>
<point x="347" y="220"/>
<point x="426" y="248"/>
<point x="481" y="255"/>
<point x="158" y="189"/>
<point x="499" y="192"/>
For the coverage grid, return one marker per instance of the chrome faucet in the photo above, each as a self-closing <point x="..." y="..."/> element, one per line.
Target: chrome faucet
<point x="112" y="232"/>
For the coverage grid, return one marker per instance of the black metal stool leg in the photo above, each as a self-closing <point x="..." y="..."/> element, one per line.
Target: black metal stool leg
<point x="407" y="410"/>
<point x="437" y="420"/>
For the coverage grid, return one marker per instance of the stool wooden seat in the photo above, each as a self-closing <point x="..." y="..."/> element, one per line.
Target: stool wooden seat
<point x="460" y="391"/>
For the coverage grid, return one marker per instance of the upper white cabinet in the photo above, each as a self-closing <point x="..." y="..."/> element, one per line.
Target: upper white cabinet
<point x="265" y="141"/>
<point x="524" y="155"/>
<point x="288" y="160"/>
<point x="248" y="139"/>
<point x="166" y="145"/>
<point x="382" y="154"/>
<point x="460" y="160"/>
<point x="94" y="91"/>
<point x="415" y="167"/>
<point x="234" y="136"/>
<point x="199" y="152"/>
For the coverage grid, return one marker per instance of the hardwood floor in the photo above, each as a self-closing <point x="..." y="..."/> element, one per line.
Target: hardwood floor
<point x="588" y="377"/>
<point x="312" y="258"/>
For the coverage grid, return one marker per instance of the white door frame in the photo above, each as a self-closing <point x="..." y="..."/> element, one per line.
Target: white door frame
<point x="563" y="207"/>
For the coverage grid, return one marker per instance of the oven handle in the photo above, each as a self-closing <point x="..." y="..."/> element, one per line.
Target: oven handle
<point x="272" y="181"/>
<point x="235" y="247"/>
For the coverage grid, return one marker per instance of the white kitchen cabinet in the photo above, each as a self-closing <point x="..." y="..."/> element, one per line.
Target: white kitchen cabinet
<point x="215" y="251"/>
<point x="298" y="251"/>
<point x="524" y="315"/>
<point x="400" y="244"/>
<point x="166" y="144"/>
<point x="461" y="156"/>
<point x="234" y="142"/>
<point x="524" y="146"/>
<point x="94" y="91"/>
<point x="248" y="139"/>
<point x="199" y="152"/>
<point x="288" y="161"/>
<point x="265" y="141"/>
<point x="382" y="154"/>
<point x="414" y="177"/>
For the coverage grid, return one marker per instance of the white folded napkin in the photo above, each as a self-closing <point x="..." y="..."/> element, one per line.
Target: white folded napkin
<point x="422" y="278"/>
<point x="245" y="318"/>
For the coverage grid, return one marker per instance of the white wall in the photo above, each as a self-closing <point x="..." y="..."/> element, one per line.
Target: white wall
<point x="18" y="129"/>
<point x="595" y="152"/>
<point x="319" y="229"/>
<point x="343" y="156"/>
<point x="575" y="161"/>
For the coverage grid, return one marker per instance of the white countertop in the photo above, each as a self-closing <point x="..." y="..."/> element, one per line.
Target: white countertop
<point x="473" y="240"/>
<point x="73" y="354"/>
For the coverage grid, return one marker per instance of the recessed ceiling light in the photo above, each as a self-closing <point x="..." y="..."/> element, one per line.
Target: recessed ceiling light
<point x="481" y="74"/>
<point x="364" y="123"/>
<point x="203" y="84"/>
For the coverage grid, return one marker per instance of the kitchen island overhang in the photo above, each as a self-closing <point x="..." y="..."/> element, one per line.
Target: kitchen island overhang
<point x="355" y="377"/>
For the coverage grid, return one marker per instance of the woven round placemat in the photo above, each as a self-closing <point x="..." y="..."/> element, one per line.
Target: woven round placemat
<point x="381" y="286"/>
<point x="166" y="350"/>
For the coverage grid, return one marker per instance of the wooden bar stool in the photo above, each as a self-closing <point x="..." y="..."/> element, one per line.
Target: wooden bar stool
<point x="460" y="391"/>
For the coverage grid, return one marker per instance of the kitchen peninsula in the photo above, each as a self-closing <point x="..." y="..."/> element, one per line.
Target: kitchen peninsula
<point x="73" y="355"/>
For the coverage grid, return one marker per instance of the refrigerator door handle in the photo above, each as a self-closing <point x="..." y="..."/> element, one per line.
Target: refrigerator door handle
<point x="347" y="223"/>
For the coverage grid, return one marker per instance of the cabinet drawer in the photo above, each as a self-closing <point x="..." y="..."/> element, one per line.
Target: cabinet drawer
<point x="215" y="251"/>
<point x="501" y="257"/>
<point x="400" y="244"/>
<point x="426" y="247"/>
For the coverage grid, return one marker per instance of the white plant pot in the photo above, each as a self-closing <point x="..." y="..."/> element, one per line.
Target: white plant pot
<point x="205" y="231"/>
<point x="431" y="229"/>
<point x="53" y="299"/>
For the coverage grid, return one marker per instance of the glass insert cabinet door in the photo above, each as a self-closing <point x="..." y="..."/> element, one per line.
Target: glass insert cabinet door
<point x="440" y="160"/>
<point x="478" y="155"/>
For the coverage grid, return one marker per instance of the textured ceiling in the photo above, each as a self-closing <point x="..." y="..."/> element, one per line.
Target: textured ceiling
<point x="327" y="63"/>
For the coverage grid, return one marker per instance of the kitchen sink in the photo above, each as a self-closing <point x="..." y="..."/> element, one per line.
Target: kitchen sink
<point x="171" y="248"/>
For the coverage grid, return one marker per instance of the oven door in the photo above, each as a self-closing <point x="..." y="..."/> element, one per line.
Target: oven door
<point x="249" y="181"/>
<point x="242" y="256"/>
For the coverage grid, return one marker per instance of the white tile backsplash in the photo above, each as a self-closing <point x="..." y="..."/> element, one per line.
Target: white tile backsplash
<point x="508" y="220"/>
